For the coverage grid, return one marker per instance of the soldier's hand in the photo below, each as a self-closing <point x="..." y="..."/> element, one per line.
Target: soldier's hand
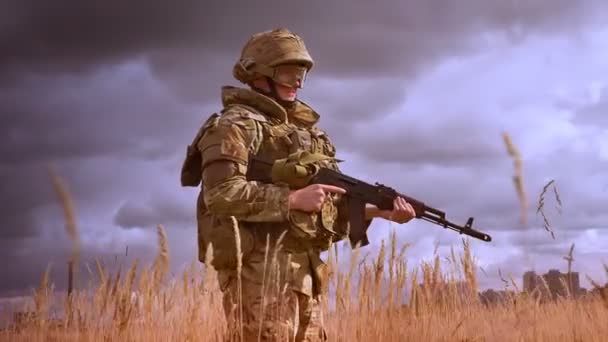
<point x="402" y="211"/>
<point x="310" y="198"/>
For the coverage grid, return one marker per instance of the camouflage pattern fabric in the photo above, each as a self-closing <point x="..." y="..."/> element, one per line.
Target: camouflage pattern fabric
<point x="280" y="297"/>
<point x="276" y="300"/>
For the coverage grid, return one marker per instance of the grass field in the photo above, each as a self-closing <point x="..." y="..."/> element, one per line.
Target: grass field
<point x="378" y="299"/>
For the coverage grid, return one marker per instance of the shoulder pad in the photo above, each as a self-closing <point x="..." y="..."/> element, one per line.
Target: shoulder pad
<point x="210" y="122"/>
<point x="191" y="166"/>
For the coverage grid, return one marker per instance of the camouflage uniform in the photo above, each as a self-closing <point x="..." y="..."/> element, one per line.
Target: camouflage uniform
<point x="280" y="297"/>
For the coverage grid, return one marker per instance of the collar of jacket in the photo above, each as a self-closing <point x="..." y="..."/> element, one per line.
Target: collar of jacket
<point x="302" y="113"/>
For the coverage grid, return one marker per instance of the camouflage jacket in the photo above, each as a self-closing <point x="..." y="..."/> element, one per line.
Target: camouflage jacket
<point x="251" y="123"/>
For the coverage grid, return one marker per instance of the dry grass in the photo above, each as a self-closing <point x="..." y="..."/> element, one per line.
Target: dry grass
<point x="378" y="299"/>
<point x="541" y="206"/>
<point x="68" y="212"/>
<point x="518" y="177"/>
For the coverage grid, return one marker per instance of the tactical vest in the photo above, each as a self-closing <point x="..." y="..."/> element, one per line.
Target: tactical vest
<point x="275" y="140"/>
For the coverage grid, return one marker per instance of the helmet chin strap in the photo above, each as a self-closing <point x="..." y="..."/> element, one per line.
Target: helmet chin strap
<point x="274" y="94"/>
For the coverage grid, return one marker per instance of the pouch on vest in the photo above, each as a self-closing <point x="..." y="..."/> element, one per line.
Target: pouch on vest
<point x="317" y="229"/>
<point x="191" y="172"/>
<point x="297" y="169"/>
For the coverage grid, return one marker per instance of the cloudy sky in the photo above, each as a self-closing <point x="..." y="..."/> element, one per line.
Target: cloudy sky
<point x="415" y="94"/>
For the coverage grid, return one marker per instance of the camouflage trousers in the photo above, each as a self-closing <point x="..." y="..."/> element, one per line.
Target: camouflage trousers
<point x="278" y="299"/>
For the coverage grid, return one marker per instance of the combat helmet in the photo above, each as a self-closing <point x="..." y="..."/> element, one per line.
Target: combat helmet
<point x="265" y="53"/>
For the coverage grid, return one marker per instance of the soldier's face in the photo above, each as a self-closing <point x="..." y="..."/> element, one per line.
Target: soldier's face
<point x="289" y="79"/>
<point x="287" y="93"/>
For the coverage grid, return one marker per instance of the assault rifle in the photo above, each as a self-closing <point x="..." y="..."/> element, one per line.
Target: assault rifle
<point x="358" y="193"/>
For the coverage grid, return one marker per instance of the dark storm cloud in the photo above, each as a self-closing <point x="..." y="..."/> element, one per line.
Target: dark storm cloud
<point x="188" y="44"/>
<point x="71" y="35"/>
<point x="400" y="37"/>
<point x="93" y="115"/>
<point x="353" y="102"/>
<point x="452" y="141"/>
<point x="159" y="210"/>
<point x="21" y="193"/>
<point x="27" y="258"/>
<point x="90" y="86"/>
<point x="75" y="124"/>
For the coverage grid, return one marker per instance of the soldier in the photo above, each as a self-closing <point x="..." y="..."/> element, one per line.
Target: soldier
<point x="282" y="231"/>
